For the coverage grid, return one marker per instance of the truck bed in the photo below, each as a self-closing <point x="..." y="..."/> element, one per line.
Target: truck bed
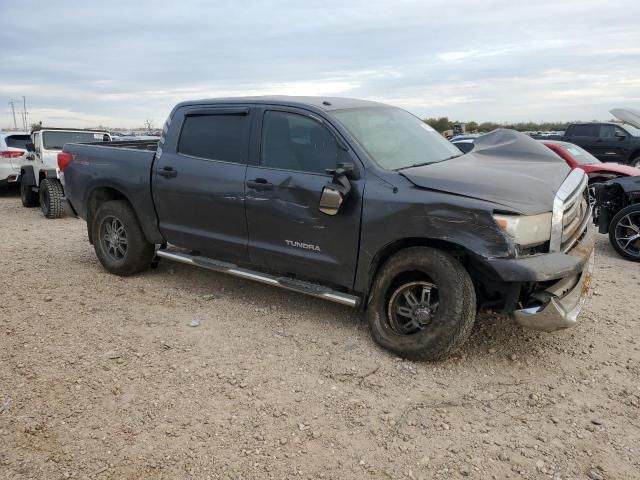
<point x="130" y="144"/>
<point x="105" y="166"/>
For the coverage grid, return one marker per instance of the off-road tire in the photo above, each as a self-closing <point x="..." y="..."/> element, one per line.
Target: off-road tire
<point x="51" y="198"/>
<point x="453" y="319"/>
<point x="139" y="252"/>
<point x="28" y="197"/>
<point x="612" y="232"/>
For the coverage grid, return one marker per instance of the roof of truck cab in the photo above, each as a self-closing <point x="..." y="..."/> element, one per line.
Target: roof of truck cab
<point x="323" y="103"/>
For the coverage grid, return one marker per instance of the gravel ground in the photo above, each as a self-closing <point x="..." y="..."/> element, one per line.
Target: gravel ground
<point x="103" y="377"/>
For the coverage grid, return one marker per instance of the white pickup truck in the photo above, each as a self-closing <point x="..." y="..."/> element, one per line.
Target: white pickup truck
<point x="41" y="182"/>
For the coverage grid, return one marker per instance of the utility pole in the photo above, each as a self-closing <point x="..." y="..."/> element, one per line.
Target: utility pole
<point x="24" y="110"/>
<point x="13" y="110"/>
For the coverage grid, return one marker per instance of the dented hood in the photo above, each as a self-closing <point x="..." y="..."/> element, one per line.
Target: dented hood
<point x="505" y="167"/>
<point x="628" y="115"/>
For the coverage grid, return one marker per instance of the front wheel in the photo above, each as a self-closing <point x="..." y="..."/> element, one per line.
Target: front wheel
<point x="624" y="232"/>
<point x="423" y="304"/>
<point x="635" y="162"/>
<point x="118" y="240"/>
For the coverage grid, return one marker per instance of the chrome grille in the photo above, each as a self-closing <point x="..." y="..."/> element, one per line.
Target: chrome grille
<point x="570" y="211"/>
<point x="573" y="216"/>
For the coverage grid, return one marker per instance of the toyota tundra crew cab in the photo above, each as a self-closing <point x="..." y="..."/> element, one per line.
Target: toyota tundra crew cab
<point x="351" y="201"/>
<point x="41" y="183"/>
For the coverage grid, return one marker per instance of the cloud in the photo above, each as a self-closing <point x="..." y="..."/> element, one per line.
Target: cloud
<point x="124" y="62"/>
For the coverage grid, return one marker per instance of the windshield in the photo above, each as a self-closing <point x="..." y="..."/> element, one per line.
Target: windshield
<point x="53" y="140"/>
<point x="580" y="155"/>
<point x="395" y="139"/>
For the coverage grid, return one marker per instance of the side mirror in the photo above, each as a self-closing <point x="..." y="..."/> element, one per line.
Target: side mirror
<point x="336" y="191"/>
<point x="342" y="169"/>
<point x="30" y="147"/>
<point x="620" y="136"/>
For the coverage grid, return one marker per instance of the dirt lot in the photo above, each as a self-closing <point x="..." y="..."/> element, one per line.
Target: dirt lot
<point x="102" y="377"/>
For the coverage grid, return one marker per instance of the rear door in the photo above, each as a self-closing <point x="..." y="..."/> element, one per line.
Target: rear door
<point x="287" y="232"/>
<point x="198" y="181"/>
<point x="584" y="135"/>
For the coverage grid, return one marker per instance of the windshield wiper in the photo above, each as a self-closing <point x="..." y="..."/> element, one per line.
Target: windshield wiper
<point x="422" y="164"/>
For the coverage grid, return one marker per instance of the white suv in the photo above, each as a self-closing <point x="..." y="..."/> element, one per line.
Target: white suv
<point x="40" y="182"/>
<point x="13" y="149"/>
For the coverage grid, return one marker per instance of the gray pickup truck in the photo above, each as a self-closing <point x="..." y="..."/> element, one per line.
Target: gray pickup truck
<point x="351" y="201"/>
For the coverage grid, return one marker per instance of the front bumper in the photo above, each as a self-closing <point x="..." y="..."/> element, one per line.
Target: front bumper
<point x="565" y="297"/>
<point x="561" y="311"/>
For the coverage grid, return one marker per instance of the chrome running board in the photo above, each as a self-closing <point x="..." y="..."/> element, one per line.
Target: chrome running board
<point x="307" y="288"/>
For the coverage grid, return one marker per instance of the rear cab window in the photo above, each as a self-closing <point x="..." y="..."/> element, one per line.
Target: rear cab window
<point x="17" y="141"/>
<point x="215" y="136"/>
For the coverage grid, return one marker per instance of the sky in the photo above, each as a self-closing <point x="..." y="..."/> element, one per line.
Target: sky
<point x="119" y="63"/>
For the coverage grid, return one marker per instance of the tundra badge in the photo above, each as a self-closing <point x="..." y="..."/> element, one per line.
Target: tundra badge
<point x="306" y="246"/>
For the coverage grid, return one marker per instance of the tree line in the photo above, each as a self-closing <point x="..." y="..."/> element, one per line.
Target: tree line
<point x="443" y="123"/>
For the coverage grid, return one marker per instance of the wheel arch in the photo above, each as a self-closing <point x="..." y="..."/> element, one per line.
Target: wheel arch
<point x="27" y="175"/>
<point x="456" y="250"/>
<point x="635" y="155"/>
<point x="97" y="197"/>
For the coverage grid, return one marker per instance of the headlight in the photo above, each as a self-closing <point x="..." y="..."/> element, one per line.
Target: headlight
<point x="526" y="230"/>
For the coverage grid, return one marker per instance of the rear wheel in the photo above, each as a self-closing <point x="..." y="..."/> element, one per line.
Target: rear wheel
<point x="28" y="197"/>
<point x="423" y="304"/>
<point x="51" y="198"/>
<point x="624" y="232"/>
<point x="118" y="240"/>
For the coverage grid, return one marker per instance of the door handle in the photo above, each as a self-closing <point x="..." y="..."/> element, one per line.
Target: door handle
<point x="167" y="172"/>
<point x="259" y="184"/>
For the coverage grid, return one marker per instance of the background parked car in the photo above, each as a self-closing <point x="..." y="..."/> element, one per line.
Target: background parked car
<point x="577" y="157"/>
<point x="608" y="141"/>
<point x="617" y="212"/>
<point x="41" y="182"/>
<point x="464" y="142"/>
<point x="12" y="155"/>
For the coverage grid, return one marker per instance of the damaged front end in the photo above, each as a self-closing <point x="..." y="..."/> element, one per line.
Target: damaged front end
<point x="555" y="304"/>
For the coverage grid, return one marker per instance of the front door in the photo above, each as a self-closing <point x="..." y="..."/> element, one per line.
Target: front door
<point x="287" y="232"/>
<point x="198" y="181"/>
<point x="611" y="144"/>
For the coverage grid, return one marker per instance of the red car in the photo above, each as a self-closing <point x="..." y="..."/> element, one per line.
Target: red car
<point x="597" y="171"/>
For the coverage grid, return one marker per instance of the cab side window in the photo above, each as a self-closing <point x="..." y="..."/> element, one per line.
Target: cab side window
<point x="585" y="131"/>
<point x="295" y="142"/>
<point x="215" y="137"/>
<point x="607" y="131"/>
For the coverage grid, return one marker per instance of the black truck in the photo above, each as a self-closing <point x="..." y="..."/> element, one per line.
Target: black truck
<point x="609" y="141"/>
<point x="351" y="201"/>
